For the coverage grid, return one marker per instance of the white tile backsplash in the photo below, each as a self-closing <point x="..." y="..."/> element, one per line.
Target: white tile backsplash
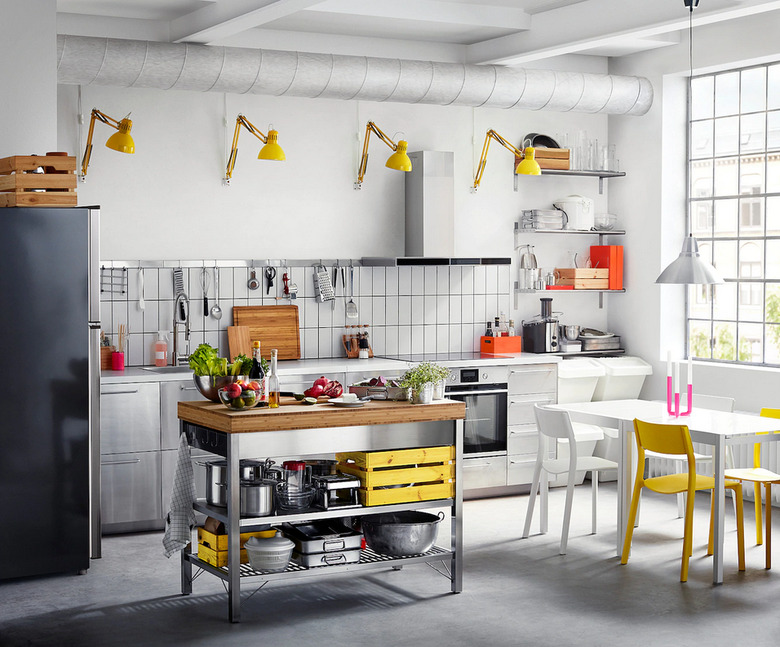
<point x="410" y="309"/>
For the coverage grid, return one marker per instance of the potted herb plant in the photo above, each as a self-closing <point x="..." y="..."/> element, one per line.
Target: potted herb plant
<point x="420" y="381"/>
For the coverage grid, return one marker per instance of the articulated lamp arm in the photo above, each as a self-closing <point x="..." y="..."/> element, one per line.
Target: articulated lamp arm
<point x="271" y="150"/>
<point x="371" y="127"/>
<point x="491" y="134"/>
<point x="123" y="126"/>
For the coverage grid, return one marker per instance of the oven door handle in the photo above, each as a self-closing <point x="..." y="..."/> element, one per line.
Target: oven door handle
<point x="491" y="392"/>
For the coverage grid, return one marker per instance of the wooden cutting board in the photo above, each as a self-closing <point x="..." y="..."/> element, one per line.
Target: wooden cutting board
<point x="274" y="326"/>
<point x="239" y="341"/>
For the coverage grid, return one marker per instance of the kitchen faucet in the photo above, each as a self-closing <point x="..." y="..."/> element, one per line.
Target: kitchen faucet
<point x="181" y="316"/>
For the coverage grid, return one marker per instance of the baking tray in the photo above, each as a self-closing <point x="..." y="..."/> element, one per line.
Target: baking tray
<point x="600" y="343"/>
<point x="325" y="536"/>
<point x="311" y="560"/>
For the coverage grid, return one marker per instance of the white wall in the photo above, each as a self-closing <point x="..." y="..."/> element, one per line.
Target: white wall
<point x="653" y="199"/>
<point x="167" y="201"/>
<point x="28" y="71"/>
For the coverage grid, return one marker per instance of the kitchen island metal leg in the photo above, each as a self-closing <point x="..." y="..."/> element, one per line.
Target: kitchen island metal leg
<point x="186" y="570"/>
<point x="457" y="513"/>
<point x="233" y="529"/>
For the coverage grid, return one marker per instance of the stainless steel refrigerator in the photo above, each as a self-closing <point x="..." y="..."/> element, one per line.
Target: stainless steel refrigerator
<point x="49" y="389"/>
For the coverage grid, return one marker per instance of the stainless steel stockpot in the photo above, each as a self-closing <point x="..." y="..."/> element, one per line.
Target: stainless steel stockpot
<point x="257" y="497"/>
<point x="216" y="478"/>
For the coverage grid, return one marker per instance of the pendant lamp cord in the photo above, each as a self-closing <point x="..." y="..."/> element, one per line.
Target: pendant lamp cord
<point x="689" y="112"/>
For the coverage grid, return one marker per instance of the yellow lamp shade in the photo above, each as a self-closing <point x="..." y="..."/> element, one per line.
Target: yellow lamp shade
<point x="528" y="165"/>
<point x="272" y="150"/>
<point x="122" y="141"/>
<point x="399" y="161"/>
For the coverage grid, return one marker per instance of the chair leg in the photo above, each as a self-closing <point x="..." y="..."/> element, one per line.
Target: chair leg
<point x="631" y="518"/>
<point x="687" y="538"/>
<point x="594" y="484"/>
<point x="680" y="505"/>
<point x="567" y="515"/>
<point x="768" y="509"/>
<point x="757" y="499"/>
<point x="529" y="512"/>
<point x="544" y="503"/>
<point x="711" y="538"/>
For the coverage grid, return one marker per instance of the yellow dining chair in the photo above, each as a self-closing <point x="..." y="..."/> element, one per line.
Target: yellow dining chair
<point x="758" y="475"/>
<point x="676" y="440"/>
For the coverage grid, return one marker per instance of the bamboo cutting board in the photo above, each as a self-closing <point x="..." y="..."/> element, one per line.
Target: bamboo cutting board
<point x="274" y="326"/>
<point x="239" y="341"/>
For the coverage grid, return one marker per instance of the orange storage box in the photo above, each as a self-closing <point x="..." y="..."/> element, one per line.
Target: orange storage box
<point x="498" y="345"/>
<point x="610" y="257"/>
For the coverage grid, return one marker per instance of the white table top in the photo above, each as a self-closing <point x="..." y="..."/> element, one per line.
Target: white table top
<point x="707" y="421"/>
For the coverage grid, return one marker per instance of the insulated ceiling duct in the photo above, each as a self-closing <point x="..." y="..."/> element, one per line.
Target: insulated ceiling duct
<point x="83" y="60"/>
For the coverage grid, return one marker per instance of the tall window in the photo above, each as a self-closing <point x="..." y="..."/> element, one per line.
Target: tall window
<point x="734" y="202"/>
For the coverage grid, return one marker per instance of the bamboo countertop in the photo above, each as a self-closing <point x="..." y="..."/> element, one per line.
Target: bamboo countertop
<point x="295" y="415"/>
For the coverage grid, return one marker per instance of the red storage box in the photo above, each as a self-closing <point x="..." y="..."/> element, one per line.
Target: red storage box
<point x="611" y="257"/>
<point x="498" y="345"/>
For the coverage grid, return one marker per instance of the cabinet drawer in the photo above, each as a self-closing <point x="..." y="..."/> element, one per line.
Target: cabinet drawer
<point x="485" y="471"/>
<point x="541" y="378"/>
<point x="522" y="439"/>
<point x="171" y="393"/>
<point x="130" y="487"/>
<point x="521" y="408"/>
<point x="129" y="417"/>
<point x="520" y="469"/>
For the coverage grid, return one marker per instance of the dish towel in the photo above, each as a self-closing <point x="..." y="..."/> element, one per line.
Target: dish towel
<point x="181" y="517"/>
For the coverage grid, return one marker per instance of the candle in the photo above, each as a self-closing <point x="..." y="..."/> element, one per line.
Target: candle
<point x="668" y="363"/>
<point x="676" y="379"/>
<point x="690" y="370"/>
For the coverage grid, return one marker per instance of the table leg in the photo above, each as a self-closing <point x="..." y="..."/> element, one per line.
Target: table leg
<point x="457" y="513"/>
<point x="719" y="468"/>
<point x="186" y="570"/>
<point x="233" y="529"/>
<point x="624" y="480"/>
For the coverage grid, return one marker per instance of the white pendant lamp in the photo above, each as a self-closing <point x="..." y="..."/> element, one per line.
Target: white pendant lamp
<point x="690" y="268"/>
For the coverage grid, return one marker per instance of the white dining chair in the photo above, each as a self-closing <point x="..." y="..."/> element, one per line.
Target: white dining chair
<point x="554" y="425"/>
<point x="715" y="403"/>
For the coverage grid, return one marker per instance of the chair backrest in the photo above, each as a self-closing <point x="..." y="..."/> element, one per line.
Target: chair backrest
<point x="766" y="412"/>
<point x="664" y="439"/>
<point x="714" y="402"/>
<point x="554" y="423"/>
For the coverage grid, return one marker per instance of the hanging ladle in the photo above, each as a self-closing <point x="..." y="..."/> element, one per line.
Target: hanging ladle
<point x="216" y="311"/>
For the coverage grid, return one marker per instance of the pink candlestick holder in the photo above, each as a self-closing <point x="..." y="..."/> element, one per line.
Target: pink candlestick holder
<point x="673" y="400"/>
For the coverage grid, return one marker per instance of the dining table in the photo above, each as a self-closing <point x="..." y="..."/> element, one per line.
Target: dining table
<point x="719" y="429"/>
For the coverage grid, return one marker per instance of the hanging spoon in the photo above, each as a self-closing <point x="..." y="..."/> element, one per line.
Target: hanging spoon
<point x="216" y="311"/>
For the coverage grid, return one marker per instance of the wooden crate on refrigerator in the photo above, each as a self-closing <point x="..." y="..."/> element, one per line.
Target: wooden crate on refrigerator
<point x="22" y="184"/>
<point x="401" y="476"/>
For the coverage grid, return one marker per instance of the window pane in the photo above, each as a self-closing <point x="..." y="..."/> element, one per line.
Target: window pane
<point x="751" y="343"/>
<point x="752" y="135"/>
<point x="773" y="259"/>
<point x="700" y="301"/>
<point x="773" y="303"/>
<point x="725" y="341"/>
<point x="725" y="258"/>
<point x="727" y="136"/>
<point x="701" y="179"/>
<point x="772" y="344"/>
<point x="701" y="139"/>
<point x="751" y="260"/>
<point x="699" y="339"/>
<point x="753" y="90"/>
<point x="725" y="301"/>
<point x="751" y="301"/>
<point x="701" y="218"/>
<point x="772" y="217"/>
<point x="726" y="178"/>
<point x="727" y="94"/>
<point x="773" y="129"/>
<point x="773" y="174"/>
<point x="774" y="86"/>
<point x="702" y="90"/>
<point x="725" y="219"/>
<point x="751" y="174"/>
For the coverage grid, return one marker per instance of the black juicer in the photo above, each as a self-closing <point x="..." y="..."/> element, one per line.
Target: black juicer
<point x="540" y="334"/>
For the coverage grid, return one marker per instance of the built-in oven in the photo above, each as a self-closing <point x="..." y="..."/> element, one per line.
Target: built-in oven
<point x="484" y="390"/>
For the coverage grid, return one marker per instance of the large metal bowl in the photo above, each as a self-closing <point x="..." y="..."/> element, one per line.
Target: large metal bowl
<point x="209" y="386"/>
<point x="409" y="532"/>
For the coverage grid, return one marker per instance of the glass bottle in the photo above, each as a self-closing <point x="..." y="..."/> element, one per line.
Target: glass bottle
<point x="161" y="349"/>
<point x="256" y="373"/>
<point x="512" y="328"/>
<point x="489" y="331"/>
<point x="273" y="383"/>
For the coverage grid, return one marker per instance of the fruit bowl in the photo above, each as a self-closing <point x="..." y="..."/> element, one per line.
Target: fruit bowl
<point x="240" y="395"/>
<point x="209" y="386"/>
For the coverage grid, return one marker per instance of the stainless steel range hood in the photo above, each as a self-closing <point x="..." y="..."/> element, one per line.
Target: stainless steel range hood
<point x="430" y="212"/>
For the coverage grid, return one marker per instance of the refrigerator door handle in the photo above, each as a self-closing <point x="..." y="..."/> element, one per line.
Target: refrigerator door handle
<point x="95" y="522"/>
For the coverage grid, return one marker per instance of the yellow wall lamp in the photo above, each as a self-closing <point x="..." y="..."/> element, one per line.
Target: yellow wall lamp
<point x="527" y="166"/>
<point x="398" y="161"/>
<point x="270" y="151"/>
<point x="120" y="141"/>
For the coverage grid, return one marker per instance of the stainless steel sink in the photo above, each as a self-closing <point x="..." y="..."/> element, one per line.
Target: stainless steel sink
<point x="168" y="369"/>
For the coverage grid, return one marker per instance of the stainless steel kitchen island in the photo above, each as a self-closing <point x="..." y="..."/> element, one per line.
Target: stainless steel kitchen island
<point x="300" y="430"/>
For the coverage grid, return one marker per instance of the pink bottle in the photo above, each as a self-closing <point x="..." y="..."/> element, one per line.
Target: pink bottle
<point x="161" y="349"/>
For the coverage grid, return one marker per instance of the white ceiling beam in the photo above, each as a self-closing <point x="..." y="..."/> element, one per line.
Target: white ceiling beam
<point x="230" y="17"/>
<point x="433" y="11"/>
<point x="573" y="29"/>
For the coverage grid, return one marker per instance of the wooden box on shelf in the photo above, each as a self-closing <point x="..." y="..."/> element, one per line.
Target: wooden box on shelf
<point x="550" y="158"/>
<point x="22" y="184"/>
<point x="423" y="474"/>
<point x="583" y="278"/>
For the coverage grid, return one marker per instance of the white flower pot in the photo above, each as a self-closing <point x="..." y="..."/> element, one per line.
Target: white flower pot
<point x="424" y="395"/>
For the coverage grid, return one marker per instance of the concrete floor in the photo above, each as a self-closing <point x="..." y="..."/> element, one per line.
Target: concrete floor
<point x="516" y="592"/>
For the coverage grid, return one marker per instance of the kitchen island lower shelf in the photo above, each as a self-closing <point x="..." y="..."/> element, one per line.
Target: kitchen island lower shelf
<point x="301" y="431"/>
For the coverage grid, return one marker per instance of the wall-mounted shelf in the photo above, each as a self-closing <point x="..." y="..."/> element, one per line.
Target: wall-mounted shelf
<point x="601" y="175"/>
<point x="517" y="291"/>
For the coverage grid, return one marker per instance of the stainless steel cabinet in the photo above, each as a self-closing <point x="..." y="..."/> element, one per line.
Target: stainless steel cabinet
<point x="130" y="489"/>
<point x="129" y="417"/>
<point x="171" y="393"/>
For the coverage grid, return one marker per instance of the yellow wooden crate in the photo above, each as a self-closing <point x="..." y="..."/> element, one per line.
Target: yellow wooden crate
<point x="399" y="476"/>
<point x="220" y="542"/>
<point x="398" y="457"/>
<point x="218" y="558"/>
<point x="428" y="492"/>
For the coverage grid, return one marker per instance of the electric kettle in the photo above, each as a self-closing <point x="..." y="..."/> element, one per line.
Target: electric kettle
<point x="579" y="211"/>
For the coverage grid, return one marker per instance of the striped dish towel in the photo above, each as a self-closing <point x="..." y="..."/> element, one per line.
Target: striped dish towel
<point x="181" y="518"/>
